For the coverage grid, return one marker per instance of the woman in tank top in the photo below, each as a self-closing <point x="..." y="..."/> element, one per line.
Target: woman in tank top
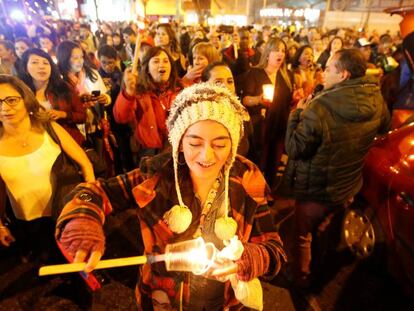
<point x="27" y="154"/>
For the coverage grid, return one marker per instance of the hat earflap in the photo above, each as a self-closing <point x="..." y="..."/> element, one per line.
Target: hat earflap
<point x="179" y="217"/>
<point x="225" y="227"/>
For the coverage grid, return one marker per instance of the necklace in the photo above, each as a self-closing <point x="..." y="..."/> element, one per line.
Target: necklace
<point x="207" y="206"/>
<point x="22" y="142"/>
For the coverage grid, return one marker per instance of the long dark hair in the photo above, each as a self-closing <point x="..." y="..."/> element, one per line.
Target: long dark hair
<point x="298" y="54"/>
<point x="173" y="45"/>
<point x="330" y="43"/>
<point x="56" y="86"/>
<point x="64" y="53"/>
<point x="145" y="81"/>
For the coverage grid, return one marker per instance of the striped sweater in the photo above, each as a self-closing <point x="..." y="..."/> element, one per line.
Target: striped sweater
<point x="150" y="190"/>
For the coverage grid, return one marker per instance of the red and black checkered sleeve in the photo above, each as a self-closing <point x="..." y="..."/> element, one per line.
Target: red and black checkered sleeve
<point x="94" y="200"/>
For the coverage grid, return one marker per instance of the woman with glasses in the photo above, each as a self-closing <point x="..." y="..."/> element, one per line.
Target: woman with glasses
<point x="27" y="157"/>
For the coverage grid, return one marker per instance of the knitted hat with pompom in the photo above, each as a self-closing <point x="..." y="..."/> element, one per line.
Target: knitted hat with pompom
<point x="204" y="101"/>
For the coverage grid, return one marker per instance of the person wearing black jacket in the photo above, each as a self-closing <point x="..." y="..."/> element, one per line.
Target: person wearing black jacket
<point x="327" y="139"/>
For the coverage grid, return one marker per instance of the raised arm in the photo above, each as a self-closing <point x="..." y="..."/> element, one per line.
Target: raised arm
<point x="125" y="104"/>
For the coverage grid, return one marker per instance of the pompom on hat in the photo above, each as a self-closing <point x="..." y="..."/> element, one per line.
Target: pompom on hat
<point x="199" y="102"/>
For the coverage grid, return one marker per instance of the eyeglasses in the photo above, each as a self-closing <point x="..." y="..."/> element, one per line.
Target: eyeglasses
<point x="11" y="101"/>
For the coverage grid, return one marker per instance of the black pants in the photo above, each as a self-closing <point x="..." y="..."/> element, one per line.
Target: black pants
<point x="311" y="218"/>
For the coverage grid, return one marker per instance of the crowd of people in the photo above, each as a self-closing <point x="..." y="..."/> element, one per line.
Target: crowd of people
<point x="190" y="138"/>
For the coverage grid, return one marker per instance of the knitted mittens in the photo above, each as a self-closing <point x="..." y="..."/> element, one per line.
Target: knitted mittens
<point x="83" y="234"/>
<point x="253" y="263"/>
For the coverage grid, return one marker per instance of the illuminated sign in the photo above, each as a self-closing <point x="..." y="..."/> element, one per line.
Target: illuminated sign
<point x="308" y="14"/>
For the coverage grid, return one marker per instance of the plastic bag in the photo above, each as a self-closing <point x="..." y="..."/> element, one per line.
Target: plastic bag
<point x="250" y="294"/>
<point x="233" y="249"/>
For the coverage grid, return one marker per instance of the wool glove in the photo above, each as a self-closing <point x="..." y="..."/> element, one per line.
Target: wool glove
<point x="82" y="234"/>
<point x="253" y="263"/>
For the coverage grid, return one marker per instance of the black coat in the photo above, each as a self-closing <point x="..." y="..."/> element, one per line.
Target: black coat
<point x="327" y="142"/>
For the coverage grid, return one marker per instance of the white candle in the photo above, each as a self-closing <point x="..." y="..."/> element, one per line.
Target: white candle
<point x="236" y="51"/>
<point x="268" y="91"/>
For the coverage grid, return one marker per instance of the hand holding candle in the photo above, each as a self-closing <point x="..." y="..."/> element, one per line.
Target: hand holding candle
<point x="268" y="92"/>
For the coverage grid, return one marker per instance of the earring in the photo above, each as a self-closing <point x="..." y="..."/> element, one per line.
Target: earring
<point x="31" y="113"/>
<point x="181" y="159"/>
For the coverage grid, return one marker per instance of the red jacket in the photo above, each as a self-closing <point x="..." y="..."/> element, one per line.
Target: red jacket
<point x="147" y="113"/>
<point x="76" y="114"/>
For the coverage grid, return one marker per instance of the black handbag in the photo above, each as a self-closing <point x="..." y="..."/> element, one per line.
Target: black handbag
<point x="66" y="174"/>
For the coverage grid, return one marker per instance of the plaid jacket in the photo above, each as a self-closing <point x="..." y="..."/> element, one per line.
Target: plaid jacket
<point x="150" y="189"/>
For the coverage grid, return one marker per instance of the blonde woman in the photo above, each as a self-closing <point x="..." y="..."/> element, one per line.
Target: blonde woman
<point x="269" y="116"/>
<point x="204" y="53"/>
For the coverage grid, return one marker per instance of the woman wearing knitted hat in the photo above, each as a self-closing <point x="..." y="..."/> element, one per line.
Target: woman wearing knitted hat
<point x="199" y="188"/>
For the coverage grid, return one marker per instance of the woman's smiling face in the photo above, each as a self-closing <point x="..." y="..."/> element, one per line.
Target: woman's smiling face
<point x="161" y="37"/>
<point x="206" y="146"/>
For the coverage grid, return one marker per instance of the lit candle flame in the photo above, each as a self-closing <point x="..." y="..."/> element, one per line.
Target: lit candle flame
<point x="268" y="91"/>
<point x="192" y="256"/>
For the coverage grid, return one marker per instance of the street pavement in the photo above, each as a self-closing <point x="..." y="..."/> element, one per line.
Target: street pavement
<point x="346" y="284"/>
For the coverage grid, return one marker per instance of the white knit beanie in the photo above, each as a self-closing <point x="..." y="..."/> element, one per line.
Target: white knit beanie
<point x="203" y="101"/>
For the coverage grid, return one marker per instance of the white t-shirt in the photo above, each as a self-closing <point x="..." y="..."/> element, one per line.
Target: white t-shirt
<point x="91" y="86"/>
<point x="98" y="85"/>
<point x="28" y="180"/>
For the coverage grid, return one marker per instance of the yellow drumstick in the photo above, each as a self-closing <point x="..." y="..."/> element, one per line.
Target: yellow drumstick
<point x="103" y="264"/>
